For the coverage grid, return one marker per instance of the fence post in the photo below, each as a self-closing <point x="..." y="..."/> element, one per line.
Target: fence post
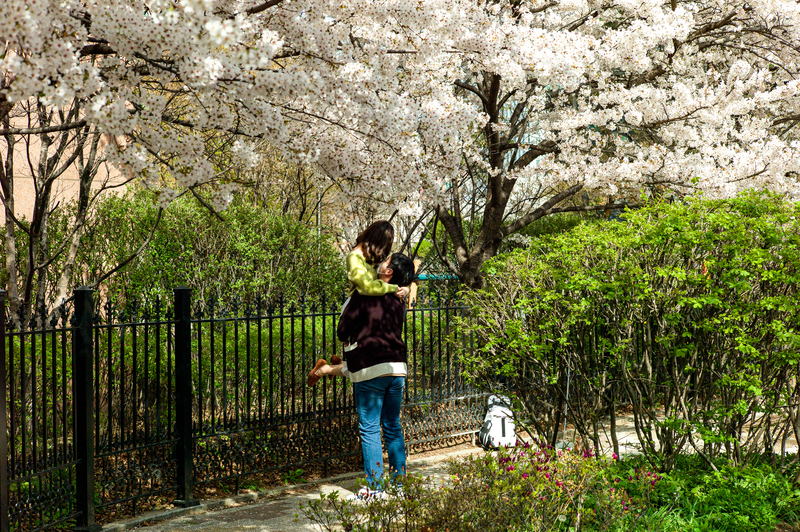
<point x="5" y="519"/>
<point x="83" y="393"/>
<point x="183" y="396"/>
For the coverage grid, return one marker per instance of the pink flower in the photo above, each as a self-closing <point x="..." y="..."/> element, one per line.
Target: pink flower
<point x="614" y="456"/>
<point x="524" y="475"/>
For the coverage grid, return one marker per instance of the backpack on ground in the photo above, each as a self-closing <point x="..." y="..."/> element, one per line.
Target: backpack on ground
<point x="499" y="429"/>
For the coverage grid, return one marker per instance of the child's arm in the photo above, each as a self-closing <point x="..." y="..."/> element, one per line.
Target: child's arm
<point x="364" y="282"/>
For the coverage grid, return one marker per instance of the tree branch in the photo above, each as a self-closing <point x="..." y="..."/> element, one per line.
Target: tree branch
<point x="591" y="208"/>
<point x="39" y="130"/>
<point x="711" y="26"/>
<point x="543" y="148"/>
<point x="262" y="7"/>
<point x="473" y="89"/>
<point x="544" y="7"/>
<point x="790" y="118"/>
<point x="441" y="252"/>
<point x="130" y="258"/>
<point x="543" y="210"/>
<point x="205" y="204"/>
<point x="407" y="243"/>
<point x="96" y="49"/>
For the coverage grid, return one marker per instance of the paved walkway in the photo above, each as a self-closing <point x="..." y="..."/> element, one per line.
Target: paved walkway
<point x="267" y="511"/>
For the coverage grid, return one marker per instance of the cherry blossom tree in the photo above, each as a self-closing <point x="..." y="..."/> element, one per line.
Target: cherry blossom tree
<point x="620" y="99"/>
<point x="512" y="106"/>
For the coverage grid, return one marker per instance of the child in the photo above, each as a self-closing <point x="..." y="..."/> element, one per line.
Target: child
<point x="373" y="245"/>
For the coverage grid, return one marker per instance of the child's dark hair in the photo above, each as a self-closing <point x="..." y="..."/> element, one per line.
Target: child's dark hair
<point x="403" y="273"/>
<point x="376" y="241"/>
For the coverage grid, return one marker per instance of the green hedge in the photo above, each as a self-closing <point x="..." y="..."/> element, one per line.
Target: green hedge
<point x="252" y="252"/>
<point x="685" y="313"/>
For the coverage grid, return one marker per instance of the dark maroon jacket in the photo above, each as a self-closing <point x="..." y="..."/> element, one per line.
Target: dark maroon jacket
<point x="376" y="324"/>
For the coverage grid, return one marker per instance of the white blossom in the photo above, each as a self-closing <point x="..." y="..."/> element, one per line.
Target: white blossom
<point x="632" y="92"/>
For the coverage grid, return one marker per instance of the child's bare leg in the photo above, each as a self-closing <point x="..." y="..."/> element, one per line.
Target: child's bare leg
<point x="331" y="370"/>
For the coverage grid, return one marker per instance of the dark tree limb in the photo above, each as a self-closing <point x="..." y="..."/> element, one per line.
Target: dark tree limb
<point x="543" y="148"/>
<point x="543" y="210"/>
<point x="262" y="7"/>
<point x="39" y="130"/>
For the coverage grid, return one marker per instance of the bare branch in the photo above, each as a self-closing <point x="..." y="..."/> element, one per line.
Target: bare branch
<point x="135" y="254"/>
<point x="543" y="148"/>
<point x="711" y="26"/>
<point x="97" y="49"/>
<point x="543" y="8"/>
<point x="407" y="243"/>
<point x="39" y="130"/>
<point x="441" y="251"/>
<point x="262" y="7"/>
<point x="205" y="204"/>
<point x="545" y="209"/>
<point x="591" y="208"/>
<point x="473" y="89"/>
<point x="790" y="118"/>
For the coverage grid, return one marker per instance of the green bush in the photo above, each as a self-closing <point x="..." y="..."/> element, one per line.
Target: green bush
<point x="252" y="253"/>
<point x="535" y="488"/>
<point x="687" y="313"/>
<point x="695" y="497"/>
<point x="528" y="488"/>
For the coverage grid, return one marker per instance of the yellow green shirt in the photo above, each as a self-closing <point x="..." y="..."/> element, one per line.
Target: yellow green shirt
<point x="364" y="278"/>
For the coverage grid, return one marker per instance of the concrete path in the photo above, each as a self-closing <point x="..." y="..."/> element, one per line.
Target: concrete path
<point x="268" y="511"/>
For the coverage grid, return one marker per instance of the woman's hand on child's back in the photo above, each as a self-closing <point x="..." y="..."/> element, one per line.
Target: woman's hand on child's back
<point x="402" y="292"/>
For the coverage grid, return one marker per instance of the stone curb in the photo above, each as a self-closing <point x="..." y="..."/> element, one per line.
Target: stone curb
<point x="228" y="502"/>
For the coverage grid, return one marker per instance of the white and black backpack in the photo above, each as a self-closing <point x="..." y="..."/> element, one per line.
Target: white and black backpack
<point x="498" y="428"/>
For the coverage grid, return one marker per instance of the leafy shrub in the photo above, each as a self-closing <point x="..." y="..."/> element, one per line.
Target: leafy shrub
<point x="535" y="488"/>
<point x="694" y="497"/>
<point x="528" y="488"/>
<point x="686" y="313"/>
<point x="253" y="252"/>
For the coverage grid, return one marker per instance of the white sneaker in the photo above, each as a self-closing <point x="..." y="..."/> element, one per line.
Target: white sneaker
<point x="365" y="494"/>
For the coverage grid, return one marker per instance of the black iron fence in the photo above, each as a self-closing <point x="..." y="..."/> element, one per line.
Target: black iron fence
<point x="105" y="406"/>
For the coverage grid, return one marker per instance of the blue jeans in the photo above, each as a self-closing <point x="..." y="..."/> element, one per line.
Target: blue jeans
<point x="378" y="403"/>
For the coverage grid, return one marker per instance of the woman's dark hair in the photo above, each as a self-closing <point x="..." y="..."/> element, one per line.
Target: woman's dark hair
<point x="376" y="241"/>
<point x="403" y="273"/>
